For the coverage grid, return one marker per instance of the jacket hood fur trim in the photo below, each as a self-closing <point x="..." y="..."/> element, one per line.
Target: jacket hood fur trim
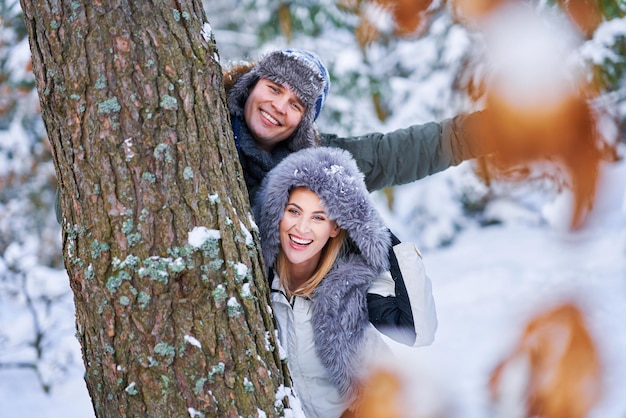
<point x="244" y="77"/>
<point x="339" y="314"/>
<point x="333" y="175"/>
<point x="340" y="320"/>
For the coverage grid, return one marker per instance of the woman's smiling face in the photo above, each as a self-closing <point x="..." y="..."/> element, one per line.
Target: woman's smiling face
<point x="305" y="228"/>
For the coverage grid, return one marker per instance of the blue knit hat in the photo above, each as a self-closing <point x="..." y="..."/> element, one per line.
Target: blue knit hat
<point x="305" y="74"/>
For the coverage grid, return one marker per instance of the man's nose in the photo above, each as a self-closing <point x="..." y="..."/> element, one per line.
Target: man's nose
<point x="281" y="103"/>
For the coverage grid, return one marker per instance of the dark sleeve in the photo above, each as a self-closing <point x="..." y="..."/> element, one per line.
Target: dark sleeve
<point x="405" y="155"/>
<point x="392" y="315"/>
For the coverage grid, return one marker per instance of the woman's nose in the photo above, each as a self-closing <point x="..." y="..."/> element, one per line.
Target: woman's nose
<point x="303" y="225"/>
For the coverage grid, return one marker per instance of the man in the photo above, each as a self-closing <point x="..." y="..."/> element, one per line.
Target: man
<point x="274" y="104"/>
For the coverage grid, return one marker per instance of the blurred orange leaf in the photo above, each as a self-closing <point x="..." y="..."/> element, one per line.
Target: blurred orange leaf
<point x="473" y="10"/>
<point x="284" y="20"/>
<point x="407" y="17"/>
<point x="380" y="397"/>
<point x="554" y="366"/>
<point x="584" y="13"/>
<point x="563" y="133"/>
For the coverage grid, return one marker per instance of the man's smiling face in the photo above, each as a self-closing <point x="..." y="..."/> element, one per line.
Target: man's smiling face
<point x="272" y="113"/>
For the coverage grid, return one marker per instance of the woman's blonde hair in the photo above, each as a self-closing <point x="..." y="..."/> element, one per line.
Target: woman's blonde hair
<point x="330" y="252"/>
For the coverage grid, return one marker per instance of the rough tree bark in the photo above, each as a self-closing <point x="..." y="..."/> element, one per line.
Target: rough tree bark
<point x="171" y="323"/>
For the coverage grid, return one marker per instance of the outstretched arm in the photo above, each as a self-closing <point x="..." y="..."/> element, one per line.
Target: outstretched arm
<point x="412" y="153"/>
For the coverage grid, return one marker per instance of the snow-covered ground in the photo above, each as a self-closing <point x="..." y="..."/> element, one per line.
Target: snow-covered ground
<point x="487" y="284"/>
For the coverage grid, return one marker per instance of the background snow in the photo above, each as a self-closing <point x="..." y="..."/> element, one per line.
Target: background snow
<point x="487" y="280"/>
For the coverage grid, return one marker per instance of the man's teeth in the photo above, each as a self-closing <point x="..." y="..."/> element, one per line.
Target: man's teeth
<point x="301" y="241"/>
<point x="269" y="117"/>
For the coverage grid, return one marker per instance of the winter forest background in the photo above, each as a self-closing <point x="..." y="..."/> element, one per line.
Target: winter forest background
<point x="382" y="79"/>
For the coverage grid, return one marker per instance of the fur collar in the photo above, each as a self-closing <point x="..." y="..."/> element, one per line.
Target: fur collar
<point x="340" y="319"/>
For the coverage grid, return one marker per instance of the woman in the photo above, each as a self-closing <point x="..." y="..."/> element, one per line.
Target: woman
<point x="310" y="209"/>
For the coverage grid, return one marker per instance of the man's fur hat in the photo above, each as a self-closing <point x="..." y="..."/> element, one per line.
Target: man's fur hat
<point x="302" y="71"/>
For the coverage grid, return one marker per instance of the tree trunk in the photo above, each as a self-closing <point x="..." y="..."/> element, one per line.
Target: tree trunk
<point x="158" y="237"/>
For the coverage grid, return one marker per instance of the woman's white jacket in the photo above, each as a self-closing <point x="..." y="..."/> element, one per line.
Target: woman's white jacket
<point x="318" y="394"/>
<point x="329" y="337"/>
<point x="320" y="397"/>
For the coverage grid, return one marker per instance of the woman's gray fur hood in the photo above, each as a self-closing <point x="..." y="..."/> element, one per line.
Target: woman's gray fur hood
<point x="339" y="308"/>
<point x="333" y="175"/>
